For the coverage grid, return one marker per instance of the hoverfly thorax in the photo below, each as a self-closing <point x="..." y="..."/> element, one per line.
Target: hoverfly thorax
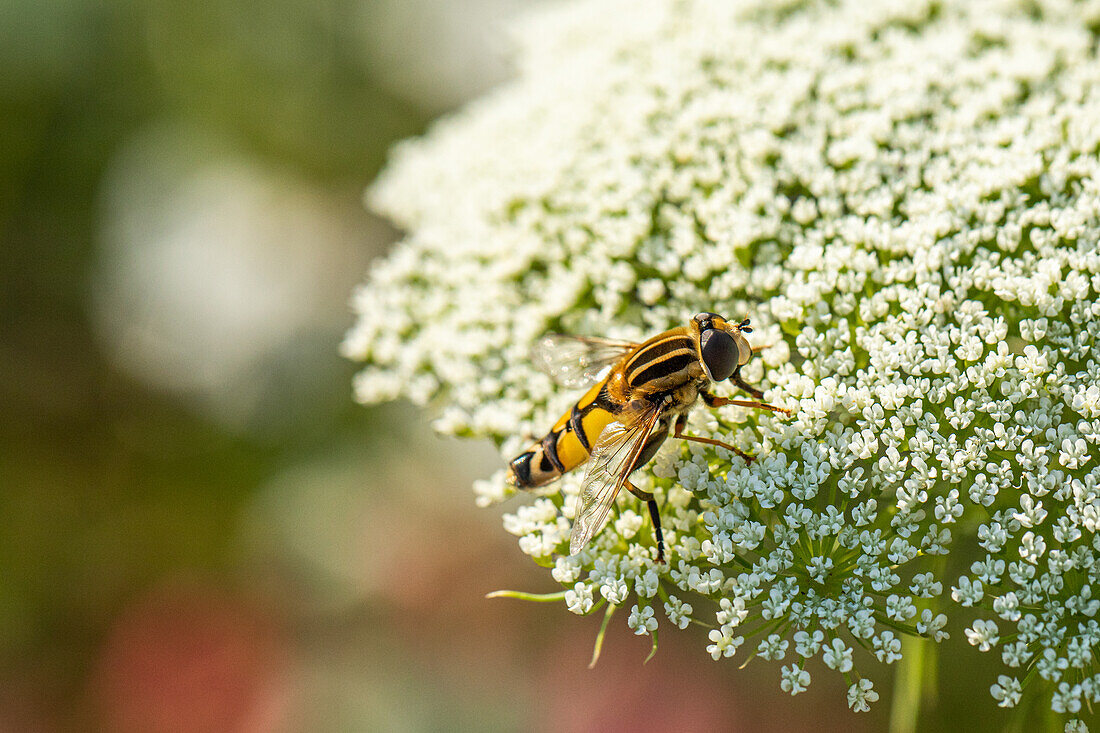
<point x="722" y="348"/>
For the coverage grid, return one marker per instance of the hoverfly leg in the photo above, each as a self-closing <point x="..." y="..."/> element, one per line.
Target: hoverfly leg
<point x="678" y="432"/>
<point x="716" y="401"/>
<point x="760" y="406"/>
<point x="654" y="516"/>
<point x="740" y="382"/>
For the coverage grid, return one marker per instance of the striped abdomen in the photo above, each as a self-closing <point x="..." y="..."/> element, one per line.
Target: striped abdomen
<point x="567" y="445"/>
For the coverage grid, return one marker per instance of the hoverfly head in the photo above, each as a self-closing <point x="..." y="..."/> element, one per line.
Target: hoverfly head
<point x="722" y="347"/>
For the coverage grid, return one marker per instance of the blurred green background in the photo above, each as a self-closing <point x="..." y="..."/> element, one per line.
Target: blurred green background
<point x="199" y="530"/>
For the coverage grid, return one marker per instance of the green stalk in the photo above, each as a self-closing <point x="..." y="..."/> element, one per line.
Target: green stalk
<point x="523" y="596"/>
<point x="915" y="683"/>
<point x="599" y="637"/>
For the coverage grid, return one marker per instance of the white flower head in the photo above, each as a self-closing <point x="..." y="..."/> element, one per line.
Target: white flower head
<point x="579" y="598"/>
<point x="725" y="642"/>
<point x="1007" y="691"/>
<point x="903" y="197"/>
<point x="794" y="679"/>
<point x="838" y="656"/>
<point x="861" y="695"/>
<point x="983" y="635"/>
<point x="678" y="612"/>
<point x="641" y="620"/>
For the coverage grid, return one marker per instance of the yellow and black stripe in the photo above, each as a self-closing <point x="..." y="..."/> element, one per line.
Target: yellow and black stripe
<point x="569" y="442"/>
<point x="660" y="360"/>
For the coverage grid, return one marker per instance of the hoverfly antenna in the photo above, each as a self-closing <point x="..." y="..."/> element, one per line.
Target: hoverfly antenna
<point x="744" y="326"/>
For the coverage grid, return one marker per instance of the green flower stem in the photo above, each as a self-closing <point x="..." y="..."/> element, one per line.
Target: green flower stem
<point x="522" y="596"/>
<point x="653" y="650"/>
<point x="599" y="637"/>
<point x="914" y="685"/>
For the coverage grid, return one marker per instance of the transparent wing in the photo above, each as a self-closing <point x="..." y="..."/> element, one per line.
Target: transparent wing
<point x="577" y="361"/>
<point x="612" y="460"/>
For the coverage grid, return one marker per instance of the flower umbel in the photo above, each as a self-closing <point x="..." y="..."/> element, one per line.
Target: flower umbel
<point x="904" y="197"/>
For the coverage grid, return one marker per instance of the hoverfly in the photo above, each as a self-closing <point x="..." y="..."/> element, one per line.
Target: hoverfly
<point x="619" y="424"/>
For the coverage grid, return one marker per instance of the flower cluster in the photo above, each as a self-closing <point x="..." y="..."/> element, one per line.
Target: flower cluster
<point x="905" y="198"/>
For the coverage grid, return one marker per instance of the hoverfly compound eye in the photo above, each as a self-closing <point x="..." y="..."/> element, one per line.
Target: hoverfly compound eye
<point x="720" y="354"/>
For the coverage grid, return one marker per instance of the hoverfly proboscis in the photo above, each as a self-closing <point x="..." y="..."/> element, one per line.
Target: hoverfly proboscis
<point x="625" y="416"/>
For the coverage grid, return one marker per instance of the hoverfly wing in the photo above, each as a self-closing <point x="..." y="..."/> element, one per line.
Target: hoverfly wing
<point x="577" y="361"/>
<point x="612" y="460"/>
